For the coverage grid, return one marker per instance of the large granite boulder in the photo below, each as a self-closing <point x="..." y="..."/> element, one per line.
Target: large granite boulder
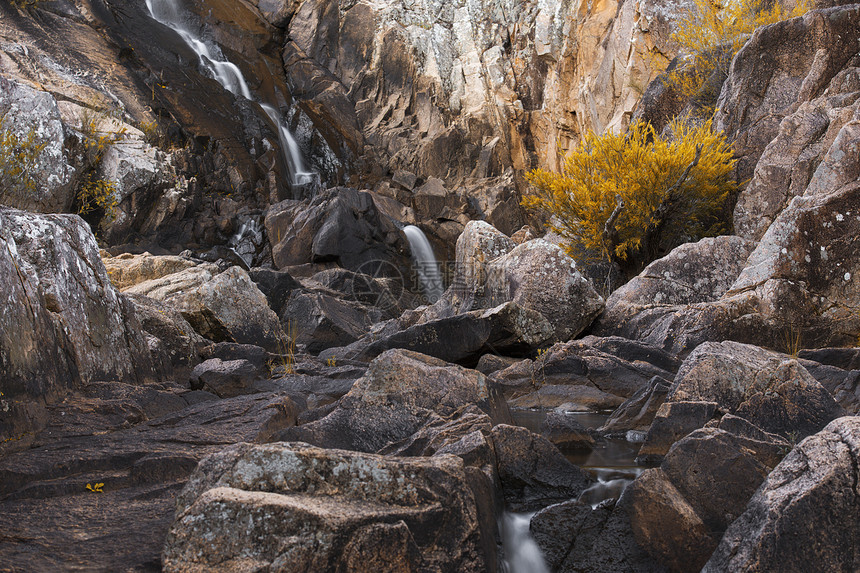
<point x="478" y="245"/>
<point x="221" y="306"/>
<point x="769" y="389"/>
<point x="341" y="225"/>
<point x="62" y="323"/>
<point x="540" y="276"/>
<point x="319" y="321"/>
<point x="297" y="507"/>
<point x="759" y="92"/>
<point x="401" y="392"/>
<point x="804" y="516"/>
<point x="680" y="510"/>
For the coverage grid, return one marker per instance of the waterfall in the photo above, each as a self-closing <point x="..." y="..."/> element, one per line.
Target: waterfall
<point x="229" y="75"/>
<point x="292" y="154"/>
<point x="425" y="263"/>
<point x="522" y="554"/>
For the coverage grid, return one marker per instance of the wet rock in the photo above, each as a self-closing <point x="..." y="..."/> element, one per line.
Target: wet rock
<point x="811" y="490"/>
<point x="401" y="392"/>
<point x="341" y="225"/>
<point x="565" y="432"/>
<point x="276" y="285"/>
<point x="463" y="338"/>
<point x="319" y="321"/>
<point x="267" y="507"/>
<point x="638" y="411"/>
<point x="580" y="398"/>
<point x="532" y="471"/>
<point x="225" y="379"/>
<point x="539" y="276"/>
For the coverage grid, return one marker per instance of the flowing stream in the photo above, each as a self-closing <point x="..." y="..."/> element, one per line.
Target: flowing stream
<point x="425" y="263"/>
<point x="522" y="554"/>
<point x="228" y="74"/>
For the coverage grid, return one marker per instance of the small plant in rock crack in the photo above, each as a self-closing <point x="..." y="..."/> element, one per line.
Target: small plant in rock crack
<point x="286" y="360"/>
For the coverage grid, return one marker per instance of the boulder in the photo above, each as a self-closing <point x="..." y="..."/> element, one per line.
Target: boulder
<point x="276" y="285"/>
<point x="539" y="276"/>
<point x="62" y="324"/>
<point x="463" y="338"/>
<point x="607" y="369"/>
<point x="638" y="411"/>
<point x="225" y="379"/>
<point x="174" y="344"/>
<point x="26" y="111"/>
<point x="478" y="245"/>
<point x="760" y="91"/>
<point x="225" y="306"/>
<point x="341" y="225"/>
<point x="565" y="432"/>
<point x="808" y="501"/>
<point x="769" y="389"/>
<point x="574" y="537"/>
<point x="680" y="510"/>
<point x="319" y="321"/>
<point x="401" y="392"/>
<point x="127" y="270"/>
<point x="533" y="473"/>
<point x="300" y="507"/>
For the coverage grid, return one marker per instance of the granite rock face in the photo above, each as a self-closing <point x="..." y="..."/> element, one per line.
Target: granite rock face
<point x="63" y="323"/>
<point x="293" y="506"/>
<point x="809" y="500"/>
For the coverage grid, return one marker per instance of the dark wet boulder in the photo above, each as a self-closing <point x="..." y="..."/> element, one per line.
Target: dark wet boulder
<point x="533" y="472"/>
<point x="463" y="338"/>
<point x="294" y="506"/>
<point x="804" y="517"/>
<point x="319" y="321"/>
<point x="276" y="285"/>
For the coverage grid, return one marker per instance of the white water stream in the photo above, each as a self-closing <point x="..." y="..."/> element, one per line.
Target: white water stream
<point x="425" y="263"/>
<point x="228" y="74"/>
<point x="522" y="554"/>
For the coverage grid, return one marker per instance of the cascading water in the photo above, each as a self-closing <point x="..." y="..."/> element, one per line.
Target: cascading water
<point x="425" y="263"/>
<point x="229" y="75"/>
<point x="522" y="554"/>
